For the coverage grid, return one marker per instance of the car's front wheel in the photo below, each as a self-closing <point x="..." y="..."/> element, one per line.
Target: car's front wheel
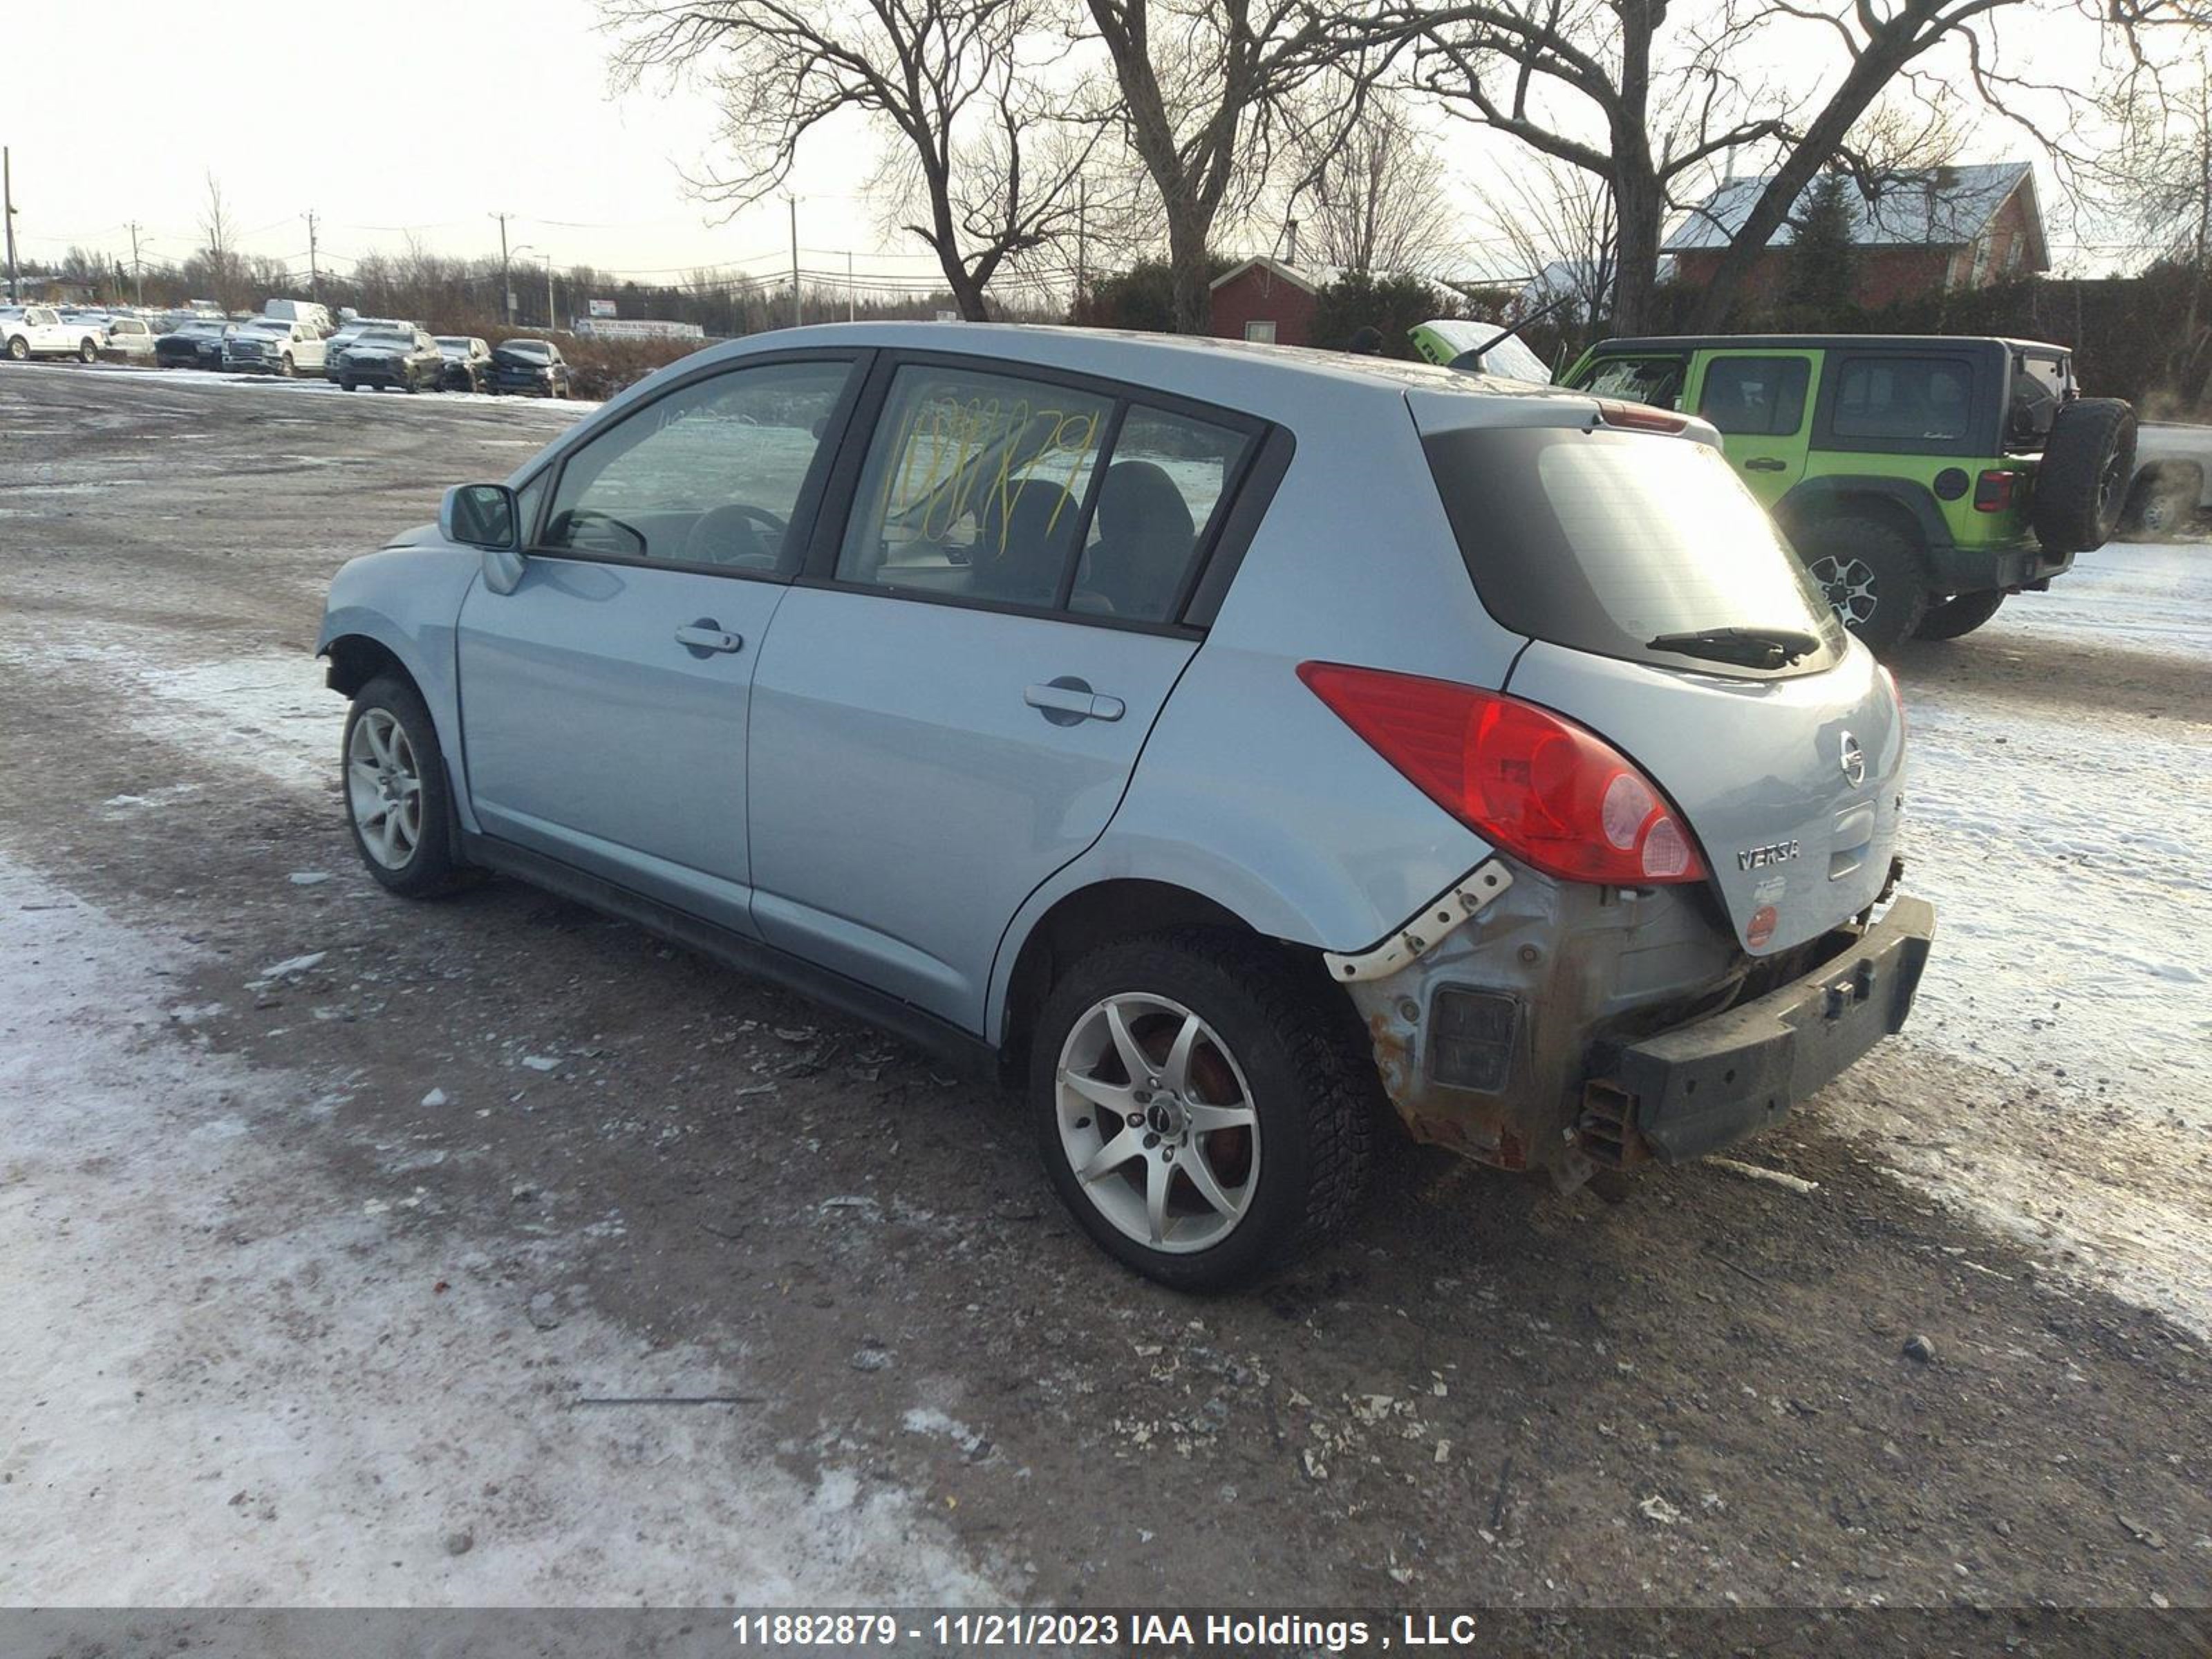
<point x="1871" y="574"/>
<point x="396" y="791"/>
<point x="18" y="349"/>
<point x="1204" y="1112"/>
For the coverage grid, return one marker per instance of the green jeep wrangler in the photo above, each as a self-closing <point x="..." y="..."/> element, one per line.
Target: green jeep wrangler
<point x="1921" y="477"/>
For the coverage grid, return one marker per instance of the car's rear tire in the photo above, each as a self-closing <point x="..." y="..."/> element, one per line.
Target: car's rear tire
<point x="88" y="350"/>
<point x="397" y="800"/>
<point x="2159" y="506"/>
<point x="1872" y="574"/>
<point x="1221" y="1031"/>
<point x="2089" y="463"/>
<point x="1955" y="617"/>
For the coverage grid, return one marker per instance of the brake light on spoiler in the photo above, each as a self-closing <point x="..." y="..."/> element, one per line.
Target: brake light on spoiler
<point x="1533" y="783"/>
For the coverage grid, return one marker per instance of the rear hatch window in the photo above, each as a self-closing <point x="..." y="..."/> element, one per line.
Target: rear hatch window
<point x="1607" y="541"/>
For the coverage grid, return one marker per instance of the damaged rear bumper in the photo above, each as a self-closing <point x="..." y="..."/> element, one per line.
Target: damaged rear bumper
<point x="1694" y="1089"/>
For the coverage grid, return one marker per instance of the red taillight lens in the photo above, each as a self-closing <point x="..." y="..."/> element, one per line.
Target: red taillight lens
<point x="1639" y="418"/>
<point x="1534" y="784"/>
<point x="1993" y="491"/>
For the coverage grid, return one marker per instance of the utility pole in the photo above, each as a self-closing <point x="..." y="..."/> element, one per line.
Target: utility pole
<point x="796" y="319"/>
<point x="852" y="295"/>
<point x="314" y="267"/>
<point x="506" y="283"/>
<point x="1082" y="236"/>
<point x="7" y="210"/>
<point x="137" y="268"/>
<point x="552" y="317"/>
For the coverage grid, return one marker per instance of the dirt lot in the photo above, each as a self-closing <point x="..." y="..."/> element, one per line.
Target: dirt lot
<point x="491" y="1252"/>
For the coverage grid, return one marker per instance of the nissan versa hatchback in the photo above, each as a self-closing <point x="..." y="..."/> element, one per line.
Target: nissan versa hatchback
<point x="1233" y="748"/>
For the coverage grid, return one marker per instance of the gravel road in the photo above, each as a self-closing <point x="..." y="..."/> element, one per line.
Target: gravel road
<point x="492" y="1252"/>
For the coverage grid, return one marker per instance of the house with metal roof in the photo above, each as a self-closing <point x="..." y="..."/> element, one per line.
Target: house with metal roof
<point x="1918" y="232"/>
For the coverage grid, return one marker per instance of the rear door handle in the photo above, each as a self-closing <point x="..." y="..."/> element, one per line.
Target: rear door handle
<point x="1765" y="463"/>
<point x="1067" y="701"/>
<point x="706" y="636"/>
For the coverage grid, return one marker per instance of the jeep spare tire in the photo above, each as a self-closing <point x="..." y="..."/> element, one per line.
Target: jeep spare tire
<point x="2088" y="462"/>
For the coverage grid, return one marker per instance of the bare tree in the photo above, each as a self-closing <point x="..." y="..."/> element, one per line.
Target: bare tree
<point x="2156" y="174"/>
<point x="964" y="86"/>
<point x="1609" y="86"/>
<point x="219" y="232"/>
<point x="1556" y="222"/>
<point x="1204" y="86"/>
<point x="1368" y="196"/>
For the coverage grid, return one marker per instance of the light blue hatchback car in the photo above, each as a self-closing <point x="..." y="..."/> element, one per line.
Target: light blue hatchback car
<point x="1231" y="746"/>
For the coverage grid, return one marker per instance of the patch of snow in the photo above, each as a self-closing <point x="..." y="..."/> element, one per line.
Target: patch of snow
<point x="228" y="1379"/>
<point x="2147" y="596"/>
<point x="294" y="965"/>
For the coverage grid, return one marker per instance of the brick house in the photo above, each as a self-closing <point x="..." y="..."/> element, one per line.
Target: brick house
<point x="1266" y="300"/>
<point x="1923" y="231"/>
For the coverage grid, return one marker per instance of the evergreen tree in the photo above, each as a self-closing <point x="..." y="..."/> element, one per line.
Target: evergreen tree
<point x="1823" y="274"/>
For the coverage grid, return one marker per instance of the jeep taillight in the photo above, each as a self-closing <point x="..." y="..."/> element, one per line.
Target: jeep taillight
<point x="1531" y="783"/>
<point x="1993" y="490"/>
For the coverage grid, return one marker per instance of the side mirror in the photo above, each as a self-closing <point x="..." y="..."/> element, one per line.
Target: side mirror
<point x="480" y="515"/>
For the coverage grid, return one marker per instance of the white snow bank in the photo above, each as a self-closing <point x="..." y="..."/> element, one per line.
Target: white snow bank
<point x="224" y="1383"/>
<point x="2147" y="596"/>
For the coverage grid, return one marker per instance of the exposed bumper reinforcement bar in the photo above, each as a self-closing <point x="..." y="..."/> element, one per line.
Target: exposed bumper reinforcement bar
<point x="1428" y="927"/>
<point x="1696" y="1089"/>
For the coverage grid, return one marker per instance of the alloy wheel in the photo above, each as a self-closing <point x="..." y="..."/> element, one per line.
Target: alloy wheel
<point x="384" y="788"/>
<point x="1157" y="1122"/>
<point x="1849" y="586"/>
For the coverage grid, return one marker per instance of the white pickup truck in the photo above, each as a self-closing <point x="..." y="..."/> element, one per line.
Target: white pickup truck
<point x="27" y="332"/>
<point x="2173" y="487"/>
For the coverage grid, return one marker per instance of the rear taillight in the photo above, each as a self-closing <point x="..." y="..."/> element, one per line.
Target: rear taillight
<point x="1639" y="418"/>
<point x="1532" y="784"/>
<point x="1993" y="490"/>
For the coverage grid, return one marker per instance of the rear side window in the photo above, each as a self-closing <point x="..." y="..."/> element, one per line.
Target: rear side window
<point x="2039" y="385"/>
<point x="1604" y="541"/>
<point x="977" y="487"/>
<point x="1761" y="397"/>
<point x="1654" y="381"/>
<point x="1164" y="485"/>
<point x="1926" y="399"/>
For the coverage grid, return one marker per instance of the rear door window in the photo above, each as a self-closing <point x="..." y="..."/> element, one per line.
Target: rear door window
<point x="1904" y="399"/>
<point x="1605" y="541"/>
<point x="1755" y="396"/>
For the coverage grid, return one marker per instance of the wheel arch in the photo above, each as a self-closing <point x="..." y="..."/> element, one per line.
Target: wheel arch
<point x="1896" y="501"/>
<point x="1080" y="920"/>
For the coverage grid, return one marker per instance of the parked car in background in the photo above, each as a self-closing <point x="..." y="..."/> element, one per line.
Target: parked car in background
<point x="30" y="332"/>
<point x="405" y="358"/>
<point x="2172" y="493"/>
<point x="194" y="344"/>
<point x="534" y="367"/>
<point x="468" y="364"/>
<point x="1924" y="478"/>
<point x="349" y="331"/>
<point x="316" y="317"/>
<point x="272" y="345"/>
<point x="1012" y="689"/>
<point x="131" y="338"/>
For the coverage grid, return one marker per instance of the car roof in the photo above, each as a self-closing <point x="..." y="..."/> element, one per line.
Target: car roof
<point x="1813" y="342"/>
<point x="1272" y="381"/>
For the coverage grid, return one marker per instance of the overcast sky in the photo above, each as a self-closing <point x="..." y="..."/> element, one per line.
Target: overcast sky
<point x="429" y="116"/>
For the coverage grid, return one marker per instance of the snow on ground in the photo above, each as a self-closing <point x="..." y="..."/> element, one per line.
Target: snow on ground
<point x="227" y="1381"/>
<point x="270" y="712"/>
<point x="2147" y="596"/>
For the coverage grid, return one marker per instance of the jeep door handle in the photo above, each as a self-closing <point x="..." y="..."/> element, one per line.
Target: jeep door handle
<point x="1067" y="700"/>
<point x="1765" y="463"/>
<point x="707" y="635"/>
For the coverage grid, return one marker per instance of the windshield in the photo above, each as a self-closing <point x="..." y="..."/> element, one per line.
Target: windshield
<point x="1606" y="541"/>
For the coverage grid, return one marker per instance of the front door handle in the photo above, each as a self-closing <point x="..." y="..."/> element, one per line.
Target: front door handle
<point x="1068" y="701"/>
<point x="1765" y="463"/>
<point x="706" y="636"/>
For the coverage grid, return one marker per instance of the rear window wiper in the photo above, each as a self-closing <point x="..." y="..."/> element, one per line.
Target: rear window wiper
<point x="1752" y="648"/>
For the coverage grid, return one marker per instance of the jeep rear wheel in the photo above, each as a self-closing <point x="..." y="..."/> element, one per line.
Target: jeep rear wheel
<point x="1957" y="617"/>
<point x="1872" y="575"/>
<point x="2088" y="462"/>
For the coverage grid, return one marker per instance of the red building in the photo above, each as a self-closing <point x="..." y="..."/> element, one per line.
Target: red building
<point x="1265" y="299"/>
<point x="1922" y="233"/>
